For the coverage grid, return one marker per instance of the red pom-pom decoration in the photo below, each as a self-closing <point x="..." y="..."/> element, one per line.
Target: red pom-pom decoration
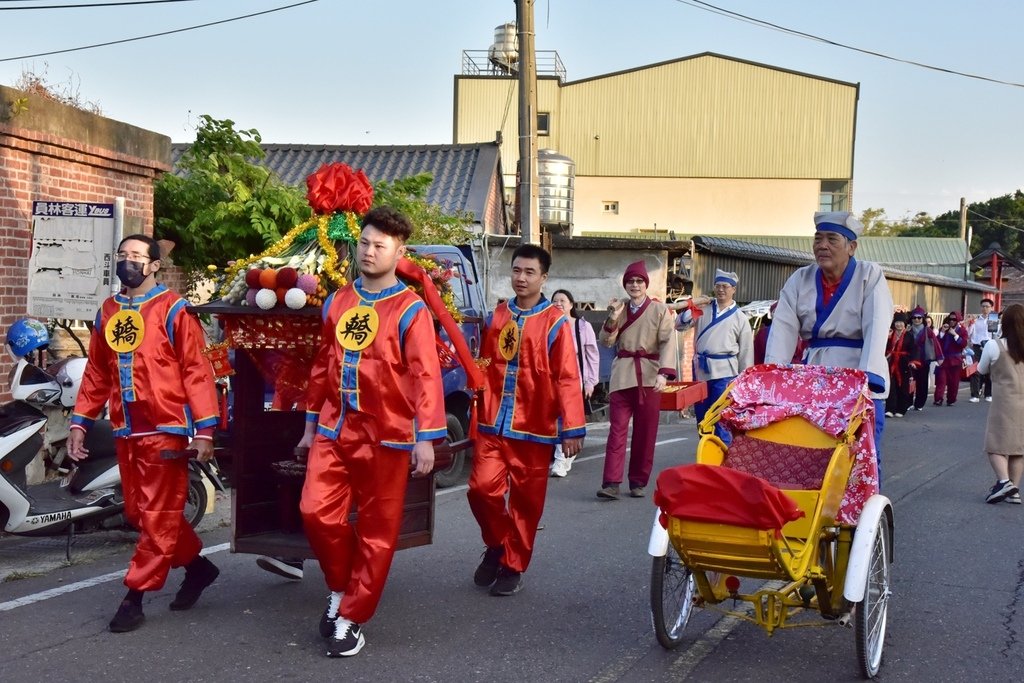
<point x="287" y="277"/>
<point x="252" y="278"/>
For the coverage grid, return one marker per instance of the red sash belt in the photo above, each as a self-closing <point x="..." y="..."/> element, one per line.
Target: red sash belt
<point x="636" y="356"/>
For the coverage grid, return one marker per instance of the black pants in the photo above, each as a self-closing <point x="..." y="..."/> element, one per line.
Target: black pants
<point x="921" y="379"/>
<point x="978" y="380"/>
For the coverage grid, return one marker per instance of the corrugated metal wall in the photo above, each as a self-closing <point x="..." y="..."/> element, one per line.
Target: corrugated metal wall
<point x="763" y="280"/>
<point x="700" y="117"/>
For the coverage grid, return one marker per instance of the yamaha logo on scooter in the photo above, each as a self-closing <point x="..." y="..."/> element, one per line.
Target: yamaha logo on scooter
<point x="50" y="518"/>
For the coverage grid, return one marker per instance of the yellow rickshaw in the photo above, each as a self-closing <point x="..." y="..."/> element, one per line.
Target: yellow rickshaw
<point x="784" y="520"/>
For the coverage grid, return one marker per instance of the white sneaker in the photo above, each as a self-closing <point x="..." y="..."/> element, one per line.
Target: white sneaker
<point x="975" y="399"/>
<point x="888" y="413"/>
<point x="988" y="399"/>
<point x="559" y="468"/>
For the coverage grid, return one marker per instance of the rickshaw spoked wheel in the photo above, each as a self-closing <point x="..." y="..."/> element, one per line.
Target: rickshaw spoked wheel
<point x="872" y="612"/>
<point x="673" y="590"/>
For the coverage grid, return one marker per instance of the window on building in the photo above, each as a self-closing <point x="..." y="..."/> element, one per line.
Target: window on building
<point x="610" y="207"/>
<point x="835" y="195"/>
<point x="543" y="123"/>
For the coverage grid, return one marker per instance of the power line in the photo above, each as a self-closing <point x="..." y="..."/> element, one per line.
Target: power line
<point x="708" y="7"/>
<point x="89" y="4"/>
<point x="162" y="33"/>
<point x="997" y="222"/>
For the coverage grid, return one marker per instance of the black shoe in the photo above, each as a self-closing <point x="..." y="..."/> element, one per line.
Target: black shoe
<point x="199" y="574"/>
<point x="330" y="616"/>
<point x="509" y="582"/>
<point x="1001" y="491"/>
<point x="128" y="618"/>
<point x="487" y="571"/>
<point x="347" y="639"/>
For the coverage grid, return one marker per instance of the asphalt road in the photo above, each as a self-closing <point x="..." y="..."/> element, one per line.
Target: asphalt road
<point x="957" y="612"/>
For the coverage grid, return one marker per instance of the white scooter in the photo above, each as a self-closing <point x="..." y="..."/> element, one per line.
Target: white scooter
<point x="89" y="496"/>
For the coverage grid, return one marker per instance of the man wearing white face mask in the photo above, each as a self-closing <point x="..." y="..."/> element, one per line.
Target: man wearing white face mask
<point x="146" y="359"/>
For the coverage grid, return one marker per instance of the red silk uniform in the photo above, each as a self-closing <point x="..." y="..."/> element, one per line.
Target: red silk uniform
<point x="372" y="405"/>
<point x="532" y="400"/>
<point x="161" y="391"/>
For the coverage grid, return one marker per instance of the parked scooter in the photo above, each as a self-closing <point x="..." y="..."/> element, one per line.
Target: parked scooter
<point x="89" y="496"/>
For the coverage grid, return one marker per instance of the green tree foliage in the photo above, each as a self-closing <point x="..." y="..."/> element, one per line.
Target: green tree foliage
<point x="877" y="224"/>
<point x="431" y="224"/>
<point x="224" y="205"/>
<point x="998" y="220"/>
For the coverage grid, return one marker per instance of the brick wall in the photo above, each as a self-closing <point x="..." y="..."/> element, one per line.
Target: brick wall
<point x="54" y="152"/>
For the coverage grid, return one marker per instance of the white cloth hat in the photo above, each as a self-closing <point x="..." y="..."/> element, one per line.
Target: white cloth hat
<point x="842" y="222"/>
<point x="727" y="278"/>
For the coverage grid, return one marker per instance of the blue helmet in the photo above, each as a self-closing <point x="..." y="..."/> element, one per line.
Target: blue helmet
<point x="25" y="336"/>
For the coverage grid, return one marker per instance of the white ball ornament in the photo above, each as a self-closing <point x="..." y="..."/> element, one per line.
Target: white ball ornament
<point x="266" y="299"/>
<point x="295" y="298"/>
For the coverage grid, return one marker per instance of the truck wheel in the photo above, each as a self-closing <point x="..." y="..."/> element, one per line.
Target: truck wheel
<point x="450" y="475"/>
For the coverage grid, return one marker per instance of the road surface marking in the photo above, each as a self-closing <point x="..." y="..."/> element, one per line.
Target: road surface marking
<point x="87" y="583"/>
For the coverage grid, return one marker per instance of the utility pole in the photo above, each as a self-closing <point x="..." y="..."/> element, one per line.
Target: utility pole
<point x="963" y="219"/>
<point x="529" y="214"/>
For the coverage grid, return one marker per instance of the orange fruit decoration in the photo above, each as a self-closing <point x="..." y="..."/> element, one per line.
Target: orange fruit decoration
<point x="268" y="278"/>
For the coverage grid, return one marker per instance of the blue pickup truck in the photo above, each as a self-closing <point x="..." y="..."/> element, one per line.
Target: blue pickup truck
<point x="469" y="297"/>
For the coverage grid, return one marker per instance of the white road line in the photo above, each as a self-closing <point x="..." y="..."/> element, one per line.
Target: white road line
<point x="113" y="576"/>
<point x="87" y="583"/>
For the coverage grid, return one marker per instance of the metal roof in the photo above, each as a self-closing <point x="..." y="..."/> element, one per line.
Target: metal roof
<point x="747" y="248"/>
<point x="944" y="256"/>
<point x="463" y="174"/>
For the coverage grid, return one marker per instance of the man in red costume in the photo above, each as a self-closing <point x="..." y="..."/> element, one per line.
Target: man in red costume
<point x="375" y="405"/>
<point x="146" y="358"/>
<point x="532" y="400"/>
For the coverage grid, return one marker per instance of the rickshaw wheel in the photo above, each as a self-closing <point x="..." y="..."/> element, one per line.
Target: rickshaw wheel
<point x="872" y="612"/>
<point x="672" y="593"/>
<point x="196" y="501"/>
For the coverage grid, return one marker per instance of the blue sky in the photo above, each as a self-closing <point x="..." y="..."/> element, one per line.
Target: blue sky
<point x="381" y="72"/>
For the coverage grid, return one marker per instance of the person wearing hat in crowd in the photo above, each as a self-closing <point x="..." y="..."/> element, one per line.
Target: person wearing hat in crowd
<point x="842" y="307"/>
<point x="953" y="338"/>
<point x="903" y="356"/>
<point x="723" y="342"/>
<point x="641" y="330"/>
<point x="928" y="351"/>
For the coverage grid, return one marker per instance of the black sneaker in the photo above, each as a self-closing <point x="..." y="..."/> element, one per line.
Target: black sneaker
<point x="1000" y="491"/>
<point x="509" y="582"/>
<point x="330" y="615"/>
<point x="199" y="574"/>
<point x="128" y="618"/>
<point x="487" y="571"/>
<point x="347" y="640"/>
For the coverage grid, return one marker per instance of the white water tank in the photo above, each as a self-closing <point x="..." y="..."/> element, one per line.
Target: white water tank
<point x="504" y="53"/>
<point x="556" y="176"/>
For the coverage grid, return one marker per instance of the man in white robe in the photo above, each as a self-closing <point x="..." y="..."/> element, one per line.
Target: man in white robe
<point x="723" y="340"/>
<point x="841" y="307"/>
